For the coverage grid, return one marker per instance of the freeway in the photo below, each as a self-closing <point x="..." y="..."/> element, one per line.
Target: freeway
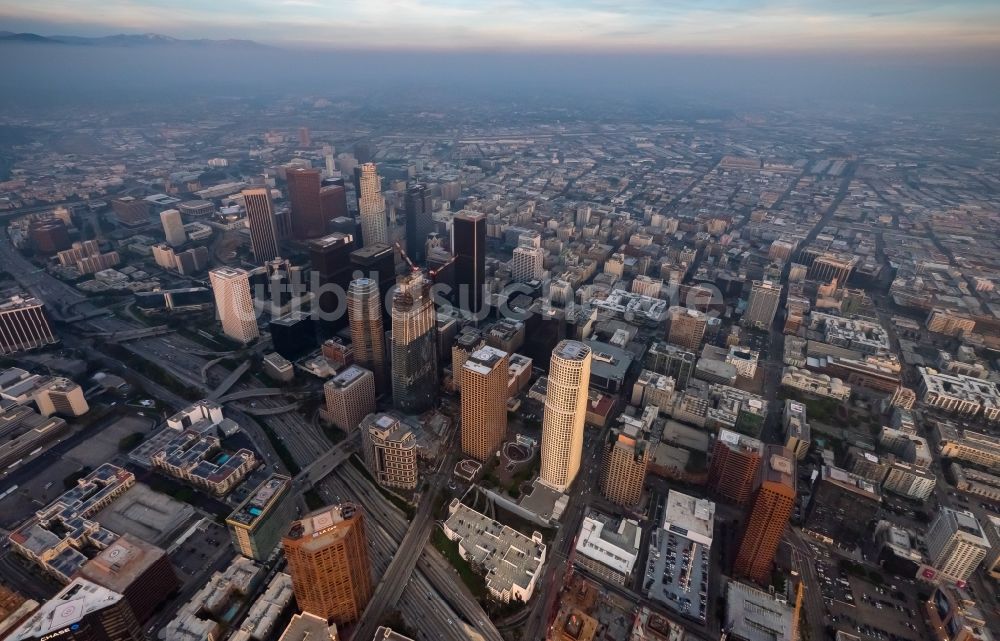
<point x="325" y="464"/>
<point x="434" y="575"/>
<point x="229" y="381"/>
<point x="397" y="575"/>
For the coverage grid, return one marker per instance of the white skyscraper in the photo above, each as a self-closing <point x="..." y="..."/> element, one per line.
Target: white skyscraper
<point x="173" y="227"/>
<point x="956" y="543"/>
<point x="528" y="258"/>
<point x="762" y="304"/>
<point x="234" y="303"/>
<point x="565" y="413"/>
<point x="372" y="206"/>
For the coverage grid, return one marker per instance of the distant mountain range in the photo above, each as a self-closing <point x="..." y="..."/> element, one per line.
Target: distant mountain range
<point x="122" y="40"/>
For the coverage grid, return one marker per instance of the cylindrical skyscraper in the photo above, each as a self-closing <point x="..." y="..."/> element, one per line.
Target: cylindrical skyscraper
<point x="565" y="413"/>
<point x="364" y="309"/>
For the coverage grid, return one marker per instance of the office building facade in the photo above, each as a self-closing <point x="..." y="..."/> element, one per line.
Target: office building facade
<point x="771" y="509"/>
<point x="234" y="303"/>
<point x="414" y="345"/>
<point x="468" y="243"/>
<point x="687" y="327"/>
<point x="24" y="325"/>
<point x="418" y="209"/>
<point x="257" y="524"/>
<point x="765" y="295"/>
<point x="390" y="451"/>
<point x="303" y="194"/>
<point x="364" y="310"/>
<point x="82" y="611"/>
<point x="956" y="543"/>
<point x="327" y="554"/>
<point x="626" y="459"/>
<point x="173" y="227"/>
<point x="484" y="402"/>
<point x="732" y="473"/>
<point x="350" y="397"/>
<point x="371" y="206"/>
<point x="260" y="220"/>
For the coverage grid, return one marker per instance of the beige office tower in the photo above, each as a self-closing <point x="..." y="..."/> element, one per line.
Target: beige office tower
<point x="687" y="327"/>
<point x="528" y="259"/>
<point x="173" y="227"/>
<point x="61" y="396"/>
<point x="390" y="450"/>
<point x="327" y="554"/>
<point x="467" y="342"/>
<point x="350" y="397"/>
<point x="565" y="413"/>
<point x="364" y="309"/>
<point x="626" y="458"/>
<point x="234" y="303"/>
<point x="371" y="205"/>
<point x="260" y="220"/>
<point x="484" y="402"/>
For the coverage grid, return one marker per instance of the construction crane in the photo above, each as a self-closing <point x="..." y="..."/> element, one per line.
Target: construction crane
<point x="399" y="248"/>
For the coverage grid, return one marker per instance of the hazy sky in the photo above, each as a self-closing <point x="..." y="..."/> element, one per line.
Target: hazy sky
<point x="650" y="25"/>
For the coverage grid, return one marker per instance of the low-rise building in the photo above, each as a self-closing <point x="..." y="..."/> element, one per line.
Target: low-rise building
<point x="57" y="536"/>
<point x="958" y="394"/>
<point x="909" y="480"/>
<point x="686" y="535"/>
<point x="815" y="384"/>
<point x="755" y="615"/>
<point x="967" y="445"/>
<point x="512" y="561"/>
<point x="199" y="459"/>
<point x="608" y="546"/>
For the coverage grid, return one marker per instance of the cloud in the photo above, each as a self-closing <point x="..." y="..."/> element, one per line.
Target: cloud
<point x="541" y="24"/>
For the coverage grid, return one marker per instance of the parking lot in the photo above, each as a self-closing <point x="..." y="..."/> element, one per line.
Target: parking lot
<point x="200" y="550"/>
<point x="883" y="612"/>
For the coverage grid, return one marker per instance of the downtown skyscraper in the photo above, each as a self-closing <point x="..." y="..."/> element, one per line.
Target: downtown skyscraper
<point x="483" y="381"/>
<point x="327" y="553"/>
<point x="565" y="413"/>
<point x="364" y="309"/>
<point x="419" y="223"/>
<point x="771" y="510"/>
<point x="414" y="345"/>
<point x="260" y="217"/>
<point x="234" y="303"/>
<point x="371" y="206"/>
<point x="307" y="208"/>
<point x="468" y="243"/>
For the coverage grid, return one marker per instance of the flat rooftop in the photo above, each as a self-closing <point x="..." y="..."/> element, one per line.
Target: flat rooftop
<point x="260" y="501"/>
<point x="689" y="516"/>
<point x="121" y="563"/>
<point x="74" y="602"/>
